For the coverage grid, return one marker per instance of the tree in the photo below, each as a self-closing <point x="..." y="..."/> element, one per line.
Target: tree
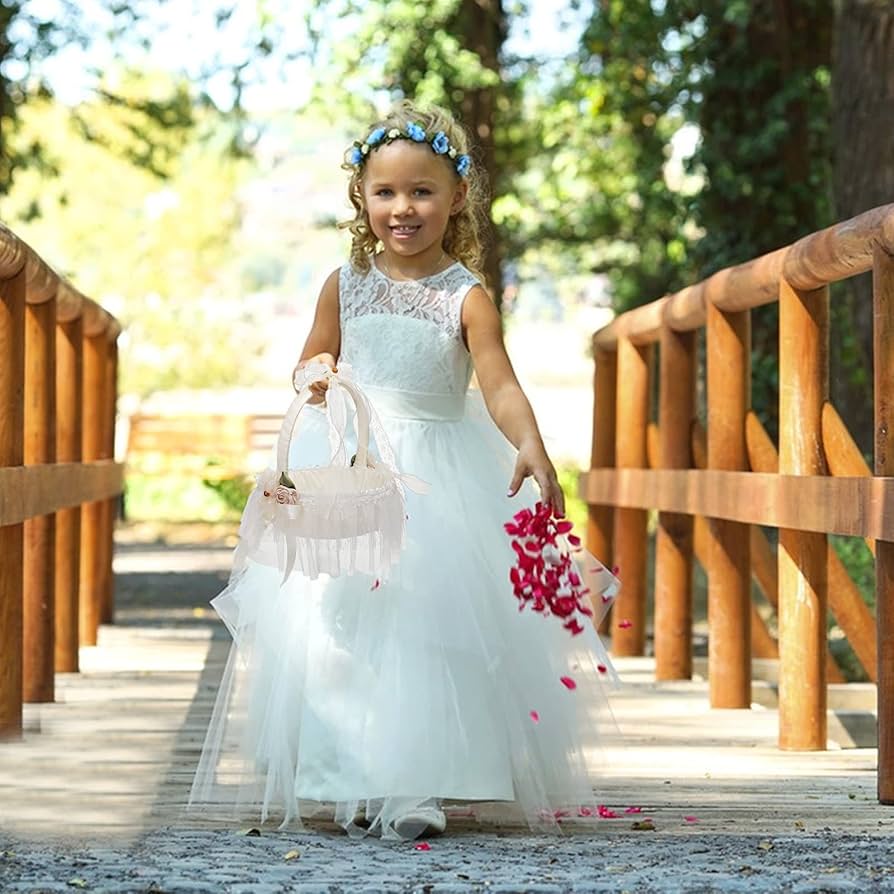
<point x="156" y="250"/>
<point x="449" y="53"/>
<point x="756" y="79"/>
<point x="863" y="126"/>
<point x="596" y="190"/>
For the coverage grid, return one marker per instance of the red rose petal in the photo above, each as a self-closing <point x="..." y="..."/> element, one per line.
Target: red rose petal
<point x="634" y="810"/>
<point x="624" y="624"/>
<point x="691" y="819"/>
<point x="602" y="668"/>
<point x="568" y="682"/>
<point x="606" y="813"/>
<point x="535" y="716"/>
<point x="424" y="846"/>
<point x="376" y="584"/>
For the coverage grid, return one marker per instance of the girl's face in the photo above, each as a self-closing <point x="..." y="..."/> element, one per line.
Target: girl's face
<point x="410" y="194"/>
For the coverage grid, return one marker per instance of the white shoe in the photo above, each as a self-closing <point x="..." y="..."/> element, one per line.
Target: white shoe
<point x="421" y="822"/>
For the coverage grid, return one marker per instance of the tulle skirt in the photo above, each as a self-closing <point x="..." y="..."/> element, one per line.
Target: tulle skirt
<point x="366" y="698"/>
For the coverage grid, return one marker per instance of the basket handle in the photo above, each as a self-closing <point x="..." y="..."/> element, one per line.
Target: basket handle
<point x="304" y="395"/>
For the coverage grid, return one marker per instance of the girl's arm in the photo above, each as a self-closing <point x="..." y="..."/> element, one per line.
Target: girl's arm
<point x="506" y="402"/>
<point x="324" y="339"/>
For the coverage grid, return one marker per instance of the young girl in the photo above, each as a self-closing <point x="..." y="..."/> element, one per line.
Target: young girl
<point x="388" y="699"/>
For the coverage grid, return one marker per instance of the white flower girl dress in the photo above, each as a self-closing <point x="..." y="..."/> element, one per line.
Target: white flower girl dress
<point x="375" y="697"/>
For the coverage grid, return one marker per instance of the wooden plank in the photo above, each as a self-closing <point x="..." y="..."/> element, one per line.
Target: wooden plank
<point x="836" y="253"/>
<point x="38" y="585"/>
<point x="69" y="432"/>
<point x="110" y="505"/>
<point x="857" y="507"/>
<point x="601" y="519"/>
<point x="729" y="562"/>
<point x="883" y="356"/>
<point x="847" y="604"/>
<point x="29" y="491"/>
<point x="630" y="536"/>
<point x="12" y="403"/>
<point x="673" y="546"/>
<point x="802" y="555"/>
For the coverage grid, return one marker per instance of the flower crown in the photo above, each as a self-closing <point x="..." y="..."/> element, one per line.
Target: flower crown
<point x="440" y="145"/>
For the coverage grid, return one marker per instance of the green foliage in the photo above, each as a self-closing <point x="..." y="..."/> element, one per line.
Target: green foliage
<point x="597" y="190"/>
<point x="575" y="508"/>
<point x="755" y="79"/>
<point x="157" y="251"/>
<point x="173" y="498"/>
<point x="232" y="492"/>
<point x="857" y="558"/>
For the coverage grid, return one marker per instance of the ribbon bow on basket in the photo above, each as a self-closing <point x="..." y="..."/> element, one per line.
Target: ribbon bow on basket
<point x="342" y="518"/>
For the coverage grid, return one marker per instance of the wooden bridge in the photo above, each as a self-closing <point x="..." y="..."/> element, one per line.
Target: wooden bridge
<point x="712" y="487"/>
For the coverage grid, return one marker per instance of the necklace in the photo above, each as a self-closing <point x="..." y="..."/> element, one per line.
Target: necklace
<point x="416" y="279"/>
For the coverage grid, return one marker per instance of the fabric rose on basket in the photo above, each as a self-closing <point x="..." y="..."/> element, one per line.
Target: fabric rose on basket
<point x="545" y="575"/>
<point x="276" y="489"/>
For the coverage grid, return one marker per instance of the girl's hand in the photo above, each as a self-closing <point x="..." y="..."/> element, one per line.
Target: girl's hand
<point x="532" y="460"/>
<point x="317" y="389"/>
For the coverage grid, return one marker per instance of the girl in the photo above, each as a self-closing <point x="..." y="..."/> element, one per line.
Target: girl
<point x="388" y="699"/>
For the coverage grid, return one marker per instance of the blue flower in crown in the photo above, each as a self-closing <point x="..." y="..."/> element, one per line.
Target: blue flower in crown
<point x="440" y="143"/>
<point x="355" y="156"/>
<point x="376" y="136"/>
<point x="463" y="163"/>
<point x="415" y="132"/>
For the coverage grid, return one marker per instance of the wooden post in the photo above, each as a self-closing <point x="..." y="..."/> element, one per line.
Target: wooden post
<point x="12" y="406"/>
<point x="600" y="519"/>
<point x="90" y="598"/>
<point x="629" y="612"/>
<point x="40" y="533"/>
<point x="883" y="309"/>
<point x="69" y="390"/>
<point x="673" y="548"/>
<point x="803" y="598"/>
<point x="729" y="565"/>
<point x="110" y="393"/>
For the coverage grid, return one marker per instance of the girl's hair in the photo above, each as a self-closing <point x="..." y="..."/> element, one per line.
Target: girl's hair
<point x="465" y="230"/>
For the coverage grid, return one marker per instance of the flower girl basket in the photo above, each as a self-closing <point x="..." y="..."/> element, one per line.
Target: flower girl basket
<point x="343" y="518"/>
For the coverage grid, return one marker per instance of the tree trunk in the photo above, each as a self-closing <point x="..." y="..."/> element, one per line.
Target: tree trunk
<point x="863" y="130"/>
<point x="482" y="29"/>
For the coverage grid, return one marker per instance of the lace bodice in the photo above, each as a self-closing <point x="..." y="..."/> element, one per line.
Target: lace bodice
<point x="406" y="336"/>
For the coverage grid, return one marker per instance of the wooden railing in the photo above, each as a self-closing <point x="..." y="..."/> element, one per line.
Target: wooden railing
<point x="58" y="478"/>
<point x="817" y="484"/>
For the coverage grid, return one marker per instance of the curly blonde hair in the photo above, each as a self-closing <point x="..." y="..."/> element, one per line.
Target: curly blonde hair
<point x="464" y="235"/>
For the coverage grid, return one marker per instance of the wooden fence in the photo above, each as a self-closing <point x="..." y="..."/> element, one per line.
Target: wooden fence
<point x="58" y="478"/>
<point x="815" y="485"/>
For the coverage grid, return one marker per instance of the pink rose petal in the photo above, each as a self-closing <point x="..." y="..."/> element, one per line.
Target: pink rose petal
<point x="584" y="811"/>
<point x="616" y="570"/>
<point x="376" y="584"/>
<point x="691" y="819"/>
<point x="634" y="810"/>
<point x="568" y="683"/>
<point x="424" y="846"/>
<point x="625" y="624"/>
<point x="535" y="716"/>
<point x="606" y="813"/>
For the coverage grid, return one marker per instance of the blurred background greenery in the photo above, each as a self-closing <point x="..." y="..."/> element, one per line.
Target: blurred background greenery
<point x="180" y="163"/>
